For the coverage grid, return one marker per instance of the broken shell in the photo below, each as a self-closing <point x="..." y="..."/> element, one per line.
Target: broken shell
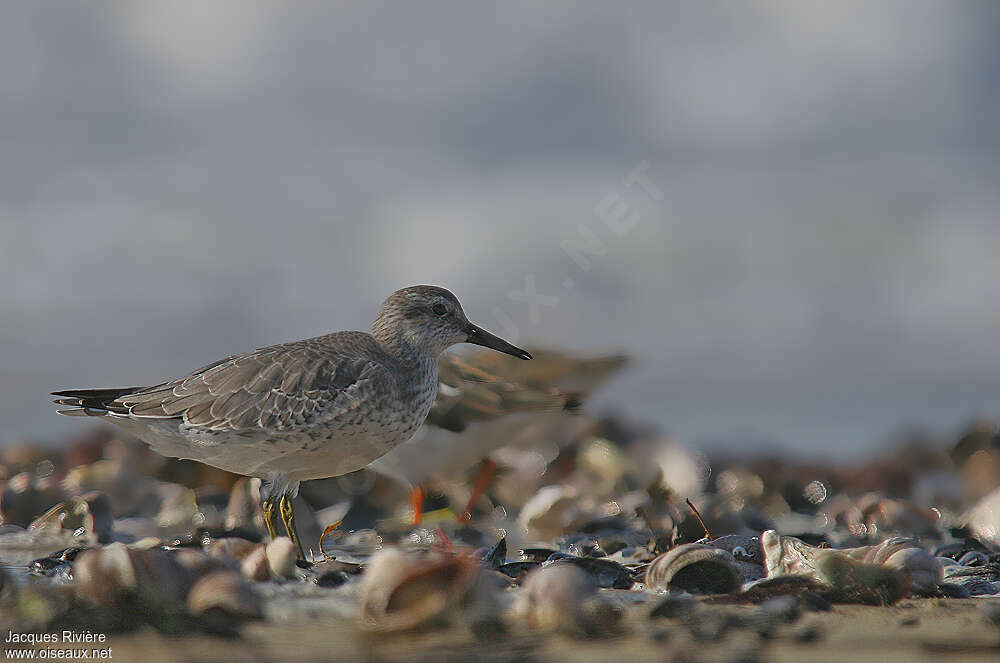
<point x="696" y="568"/>
<point x="496" y="555"/>
<point x="605" y="573"/>
<point x="856" y="582"/>
<point x="243" y="509"/>
<point x="254" y="566"/>
<point x="87" y="518"/>
<point x="553" y="597"/>
<point x="743" y="548"/>
<point x="790" y="585"/>
<point x="23" y="498"/>
<point x="281" y="556"/>
<point x="984" y="518"/>
<point x="231" y="548"/>
<point x="551" y="511"/>
<point x="196" y="562"/>
<point x="922" y="568"/>
<point x="226" y="593"/>
<point x="58" y="563"/>
<point x="400" y="591"/>
<point x="847" y="577"/>
<point x="106" y="575"/>
<point x="518" y="570"/>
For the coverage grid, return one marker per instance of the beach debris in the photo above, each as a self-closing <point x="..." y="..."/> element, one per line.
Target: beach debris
<point x="243" y="508"/>
<point x="281" y="555"/>
<point x="56" y="564"/>
<point x="880" y="574"/>
<point x="563" y="597"/>
<point x="86" y="518"/>
<point x="606" y="573"/>
<point x="495" y="556"/>
<point x="696" y="568"/>
<point x="401" y="590"/>
<point x="551" y="511"/>
<point x="983" y="519"/>
<point x="23" y="497"/>
<point x="221" y="600"/>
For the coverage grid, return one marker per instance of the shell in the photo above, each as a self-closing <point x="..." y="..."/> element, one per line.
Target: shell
<point x="231" y="548"/>
<point x="551" y="511"/>
<point x="224" y="592"/>
<point x="243" y="509"/>
<point x="400" y="591"/>
<point x="87" y="517"/>
<point x="604" y="572"/>
<point x="554" y="597"/>
<point x="254" y="566"/>
<point x="496" y="555"/>
<point x="23" y="498"/>
<point x="857" y="575"/>
<point x="694" y="567"/>
<point x="196" y="562"/>
<point x="281" y="556"/>
<point x="984" y="518"/>
<point x="921" y="567"/>
<point x="105" y="574"/>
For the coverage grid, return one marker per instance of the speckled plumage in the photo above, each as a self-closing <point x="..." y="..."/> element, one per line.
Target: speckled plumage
<point x="309" y="409"/>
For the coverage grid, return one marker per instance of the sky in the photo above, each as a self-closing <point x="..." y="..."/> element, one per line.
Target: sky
<point x="785" y="211"/>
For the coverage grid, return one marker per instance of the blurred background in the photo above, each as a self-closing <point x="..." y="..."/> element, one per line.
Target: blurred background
<point x="785" y="211"/>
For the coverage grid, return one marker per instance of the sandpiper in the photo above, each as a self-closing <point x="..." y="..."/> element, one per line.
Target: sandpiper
<point x="311" y="409"/>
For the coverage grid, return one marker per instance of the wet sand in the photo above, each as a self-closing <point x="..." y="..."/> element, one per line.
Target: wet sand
<point x="912" y="630"/>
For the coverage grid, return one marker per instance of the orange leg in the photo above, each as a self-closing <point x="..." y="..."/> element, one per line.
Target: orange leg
<point x="442" y="543"/>
<point x="322" y="537"/>
<point x="482" y="481"/>
<point x="417" y="502"/>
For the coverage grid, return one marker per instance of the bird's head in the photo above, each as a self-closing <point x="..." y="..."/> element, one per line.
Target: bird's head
<point x="430" y="319"/>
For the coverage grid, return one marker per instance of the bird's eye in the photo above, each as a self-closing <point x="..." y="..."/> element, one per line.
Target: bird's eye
<point x="439" y="309"/>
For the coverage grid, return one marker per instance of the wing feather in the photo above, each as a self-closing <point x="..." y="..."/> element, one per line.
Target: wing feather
<point x="276" y="388"/>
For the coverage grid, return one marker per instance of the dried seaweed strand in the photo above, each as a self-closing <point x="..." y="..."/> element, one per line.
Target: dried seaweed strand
<point x="708" y="534"/>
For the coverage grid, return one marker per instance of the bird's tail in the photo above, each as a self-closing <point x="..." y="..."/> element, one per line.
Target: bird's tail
<point x="90" y="402"/>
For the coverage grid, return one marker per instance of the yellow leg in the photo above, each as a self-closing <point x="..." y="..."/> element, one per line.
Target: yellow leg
<point x="268" y="508"/>
<point x="288" y="519"/>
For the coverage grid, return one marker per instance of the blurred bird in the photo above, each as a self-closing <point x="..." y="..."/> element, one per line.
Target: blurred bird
<point x="483" y="405"/>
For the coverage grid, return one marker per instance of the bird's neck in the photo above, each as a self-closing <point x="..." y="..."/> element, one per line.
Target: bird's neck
<point x="401" y="345"/>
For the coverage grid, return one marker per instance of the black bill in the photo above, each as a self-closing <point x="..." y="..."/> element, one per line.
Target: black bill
<point x="487" y="340"/>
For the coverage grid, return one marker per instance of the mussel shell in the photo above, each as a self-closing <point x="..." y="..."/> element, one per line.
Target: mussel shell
<point x="496" y="555"/>
<point x="517" y="570"/>
<point x="696" y="568"/>
<point x="606" y="573"/>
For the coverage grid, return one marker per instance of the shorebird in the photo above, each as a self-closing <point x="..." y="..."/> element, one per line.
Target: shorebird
<point x="310" y="409"/>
